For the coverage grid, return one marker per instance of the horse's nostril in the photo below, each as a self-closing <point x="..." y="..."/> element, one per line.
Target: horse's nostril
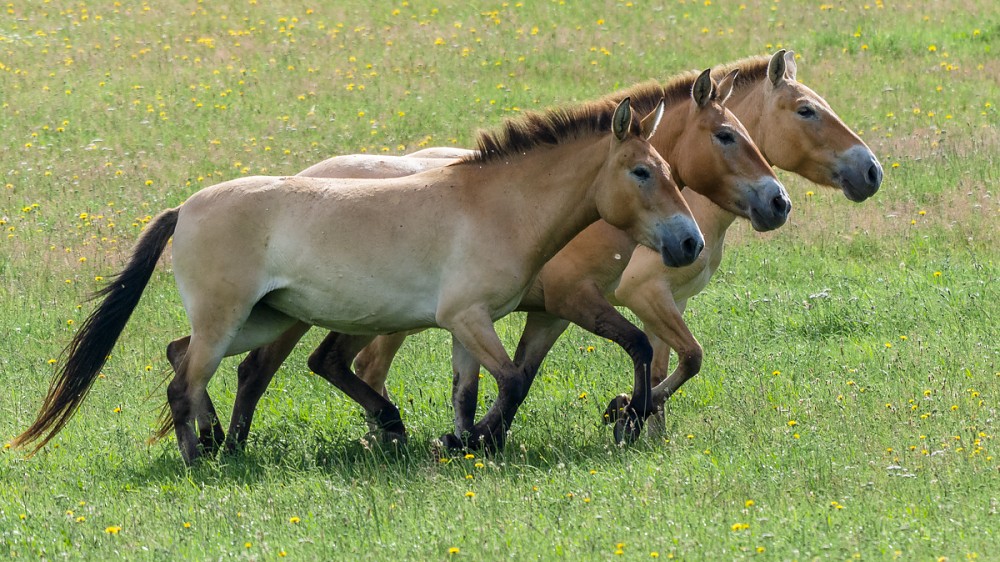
<point x="692" y="246"/>
<point x="874" y="175"/>
<point x="780" y="205"/>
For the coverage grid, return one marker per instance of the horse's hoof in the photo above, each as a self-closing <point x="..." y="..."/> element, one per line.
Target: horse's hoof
<point x="451" y="442"/>
<point x="616" y="409"/>
<point x="628" y="429"/>
<point x="393" y="438"/>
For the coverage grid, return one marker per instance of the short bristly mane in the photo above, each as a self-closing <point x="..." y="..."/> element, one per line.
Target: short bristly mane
<point x="534" y="129"/>
<point x="551" y="127"/>
<point x="752" y="70"/>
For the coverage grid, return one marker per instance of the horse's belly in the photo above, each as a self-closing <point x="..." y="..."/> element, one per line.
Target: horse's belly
<point x="352" y="311"/>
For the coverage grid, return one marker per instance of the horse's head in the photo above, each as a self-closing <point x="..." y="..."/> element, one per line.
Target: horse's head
<point x="802" y="134"/>
<point x="638" y="194"/>
<point x="712" y="154"/>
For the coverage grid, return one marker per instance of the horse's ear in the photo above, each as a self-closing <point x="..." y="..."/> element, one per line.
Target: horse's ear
<point x="776" y="68"/>
<point x="650" y="122"/>
<point x="621" y="122"/>
<point x="701" y="91"/>
<point x="725" y="87"/>
<point x="790" y="65"/>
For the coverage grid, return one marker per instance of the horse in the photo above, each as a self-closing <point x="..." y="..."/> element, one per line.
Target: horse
<point x="454" y="247"/>
<point x="798" y="131"/>
<point x="708" y="151"/>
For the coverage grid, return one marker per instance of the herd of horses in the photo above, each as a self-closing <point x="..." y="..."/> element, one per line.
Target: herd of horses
<point x="563" y="214"/>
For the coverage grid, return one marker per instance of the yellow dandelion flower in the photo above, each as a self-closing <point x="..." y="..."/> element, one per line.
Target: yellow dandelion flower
<point x="470" y="494"/>
<point x="792" y="423"/>
<point x="112" y="530"/>
<point x="748" y="503"/>
<point x="293" y="520"/>
<point x="453" y="550"/>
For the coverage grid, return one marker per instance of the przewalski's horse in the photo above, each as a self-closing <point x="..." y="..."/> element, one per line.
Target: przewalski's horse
<point x="456" y="247"/>
<point x="708" y="151"/>
<point x="797" y="131"/>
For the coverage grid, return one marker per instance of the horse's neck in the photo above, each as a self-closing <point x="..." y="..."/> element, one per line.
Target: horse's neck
<point x="556" y="185"/>
<point x="713" y="221"/>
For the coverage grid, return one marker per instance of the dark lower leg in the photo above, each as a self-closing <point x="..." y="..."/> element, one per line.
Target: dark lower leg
<point x="332" y="360"/>
<point x="254" y="374"/>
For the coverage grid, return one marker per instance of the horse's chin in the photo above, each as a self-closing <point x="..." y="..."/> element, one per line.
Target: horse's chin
<point x="854" y="195"/>
<point x="761" y="223"/>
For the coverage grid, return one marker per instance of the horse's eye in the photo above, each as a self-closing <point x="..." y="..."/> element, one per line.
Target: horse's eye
<point x="641" y="173"/>
<point x="806" y="112"/>
<point x="725" y="137"/>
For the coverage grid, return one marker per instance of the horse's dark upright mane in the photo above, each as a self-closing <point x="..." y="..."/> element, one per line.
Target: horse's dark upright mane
<point x="551" y="127"/>
<point x="534" y="129"/>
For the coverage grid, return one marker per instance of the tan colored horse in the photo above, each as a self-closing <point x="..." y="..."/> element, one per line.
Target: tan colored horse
<point x="455" y="247"/>
<point x="796" y="130"/>
<point x="708" y="150"/>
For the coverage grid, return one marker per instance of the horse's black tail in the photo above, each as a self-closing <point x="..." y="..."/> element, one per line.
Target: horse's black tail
<point x="89" y="349"/>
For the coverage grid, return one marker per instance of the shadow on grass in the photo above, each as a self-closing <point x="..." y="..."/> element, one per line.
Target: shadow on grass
<point x="292" y="449"/>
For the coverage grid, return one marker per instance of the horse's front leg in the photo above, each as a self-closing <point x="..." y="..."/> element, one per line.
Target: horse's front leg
<point x="464" y="388"/>
<point x="587" y="307"/>
<point x="332" y="360"/>
<point x="688" y="350"/>
<point x="254" y="375"/>
<point x="653" y="302"/>
<point x="540" y="333"/>
<point x="473" y="331"/>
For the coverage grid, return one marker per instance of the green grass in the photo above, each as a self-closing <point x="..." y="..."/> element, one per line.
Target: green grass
<point x="848" y="402"/>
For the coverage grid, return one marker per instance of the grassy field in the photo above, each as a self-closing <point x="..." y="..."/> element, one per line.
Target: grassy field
<point x="848" y="403"/>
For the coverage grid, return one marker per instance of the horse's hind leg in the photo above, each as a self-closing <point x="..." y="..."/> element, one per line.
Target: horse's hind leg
<point x="210" y="435"/>
<point x="373" y="362"/>
<point x="255" y="374"/>
<point x="190" y="405"/>
<point x="332" y="361"/>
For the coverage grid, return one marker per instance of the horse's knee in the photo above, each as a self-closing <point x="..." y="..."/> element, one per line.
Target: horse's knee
<point x="690" y="360"/>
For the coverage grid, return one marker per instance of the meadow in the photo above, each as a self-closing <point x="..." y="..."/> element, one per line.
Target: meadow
<point x="848" y="403"/>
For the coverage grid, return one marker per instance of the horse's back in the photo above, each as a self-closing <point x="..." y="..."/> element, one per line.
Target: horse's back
<point x="372" y="166"/>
